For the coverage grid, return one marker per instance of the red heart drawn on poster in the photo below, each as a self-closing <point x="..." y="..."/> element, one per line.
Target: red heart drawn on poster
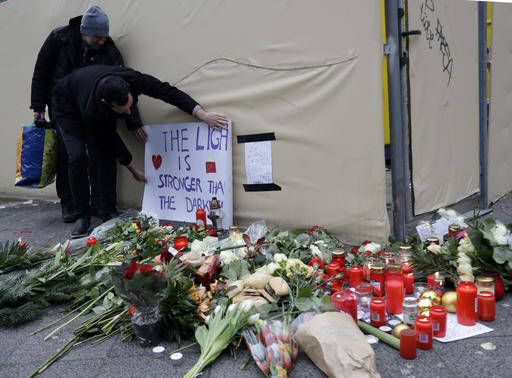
<point x="157" y="161"/>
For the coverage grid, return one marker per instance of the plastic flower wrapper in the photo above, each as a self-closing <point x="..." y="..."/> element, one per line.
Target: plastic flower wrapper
<point x="272" y="347"/>
<point x="141" y="287"/>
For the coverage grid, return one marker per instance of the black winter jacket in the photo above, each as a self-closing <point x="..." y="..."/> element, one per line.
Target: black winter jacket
<point x="62" y="52"/>
<point x="77" y="106"/>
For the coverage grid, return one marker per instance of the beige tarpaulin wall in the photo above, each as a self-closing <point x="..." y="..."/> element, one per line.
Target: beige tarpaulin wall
<point x="444" y="101"/>
<point x="309" y="73"/>
<point x="500" y="109"/>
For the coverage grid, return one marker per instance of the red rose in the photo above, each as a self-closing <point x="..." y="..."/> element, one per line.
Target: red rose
<point x="132" y="269"/>
<point x="92" y="241"/>
<point x="194" y="227"/>
<point x="367" y="253"/>
<point x="317" y="261"/>
<point x="212" y="232"/>
<point x="165" y="256"/>
<point x="366" y="242"/>
<point x="354" y="250"/>
<point x="132" y="310"/>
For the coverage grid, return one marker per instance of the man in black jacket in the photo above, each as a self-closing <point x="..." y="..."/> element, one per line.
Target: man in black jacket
<point x="83" y="42"/>
<point x="86" y="106"/>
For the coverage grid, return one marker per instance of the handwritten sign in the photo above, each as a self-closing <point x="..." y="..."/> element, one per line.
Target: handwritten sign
<point x="435" y="34"/>
<point x="258" y="162"/>
<point x="186" y="165"/>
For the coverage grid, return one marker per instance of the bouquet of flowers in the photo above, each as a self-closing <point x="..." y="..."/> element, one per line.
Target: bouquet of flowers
<point x="274" y="349"/>
<point x="142" y="287"/>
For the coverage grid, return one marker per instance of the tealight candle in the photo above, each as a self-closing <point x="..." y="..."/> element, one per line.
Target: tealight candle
<point x="377" y="312"/>
<point x="486" y="306"/>
<point x="438" y="316"/>
<point x="466" y="303"/>
<point x="423" y="327"/>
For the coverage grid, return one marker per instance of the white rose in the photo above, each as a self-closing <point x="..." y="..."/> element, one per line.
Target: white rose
<point x="499" y="233"/>
<point x="315" y="251"/>
<point x="434" y="248"/>
<point x="198" y="246"/>
<point x="280" y="257"/>
<point x="321" y="243"/>
<point x="465" y="269"/>
<point x="227" y="257"/>
<point x="372" y="247"/>
<point x="253" y="319"/>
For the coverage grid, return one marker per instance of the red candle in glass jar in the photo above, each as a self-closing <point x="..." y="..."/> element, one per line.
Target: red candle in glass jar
<point x="201" y="218"/>
<point x="466" y="303"/>
<point x="438" y="316"/>
<point x="394" y="294"/>
<point x="180" y="242"/>
<point x="355" y="275"/>
<point x="338" y="256"/>
<point x="332" y="269"/>
<point x="424" y="332"/>
<point x="377" y="279"/>
<point x="377" y="312"/>
<point x="486" y="306"/>
<point x="430" y="281"/>
<point x="499" y="287"/>
<point x="408" y="283"/>
<point x="408" y="344"/>
<point x="346" y="301"/>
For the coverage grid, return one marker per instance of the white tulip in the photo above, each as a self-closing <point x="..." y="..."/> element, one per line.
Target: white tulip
<point x="231" y="307"/>
<point x="218" y="309"/>
<point x="207" y="320"/>
<point x="253" y="319"/>
<point x="246" y="306"/>
<point x="434" y="248"/>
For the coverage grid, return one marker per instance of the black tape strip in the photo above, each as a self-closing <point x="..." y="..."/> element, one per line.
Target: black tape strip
<point x="261" y="187"/>
<point x="255" y="137"/>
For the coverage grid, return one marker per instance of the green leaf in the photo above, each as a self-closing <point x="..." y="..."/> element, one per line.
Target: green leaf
<point x="98" y="310"/>
<point x="502" y="254"/>
<point x="305" y="292"/>
<point x="304" y="304"/>
<point x="201" y="335"/>
<point x="475" y="236"/>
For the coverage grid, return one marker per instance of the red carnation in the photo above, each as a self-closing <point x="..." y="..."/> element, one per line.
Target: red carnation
<point x="320" y="264"/>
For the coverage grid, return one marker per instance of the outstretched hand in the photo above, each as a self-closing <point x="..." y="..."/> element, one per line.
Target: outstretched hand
<point x="215" y="120"/>
<point x="141" y="134"/>
<point x="137" y="175"/>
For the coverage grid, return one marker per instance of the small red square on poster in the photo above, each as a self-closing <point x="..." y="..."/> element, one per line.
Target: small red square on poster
<point x="210" y="167"/>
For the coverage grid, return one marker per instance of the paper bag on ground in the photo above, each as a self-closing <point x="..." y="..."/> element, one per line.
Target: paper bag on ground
<point x="336" y="346"/>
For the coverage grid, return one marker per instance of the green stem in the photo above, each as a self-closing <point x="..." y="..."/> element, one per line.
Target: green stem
<point x="89" y="339"/>
<point x="245" y="363"/>
<point x="105" y="337"/>
<point x="54" y="358"/>
<point x="183" y="348"/>
<point x="84" y="311"/>
<point x="58" y="320"/>
<point x="383" y="336"/>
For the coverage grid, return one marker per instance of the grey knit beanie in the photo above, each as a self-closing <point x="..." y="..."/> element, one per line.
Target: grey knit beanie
<point x="95" y="22"/>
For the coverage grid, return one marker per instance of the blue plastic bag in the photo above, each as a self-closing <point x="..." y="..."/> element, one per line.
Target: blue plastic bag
<point x="36" y="157"/>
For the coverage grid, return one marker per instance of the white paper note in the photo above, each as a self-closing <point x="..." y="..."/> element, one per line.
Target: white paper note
<point x="456" y="331"/>
<point x="258" y="162"/>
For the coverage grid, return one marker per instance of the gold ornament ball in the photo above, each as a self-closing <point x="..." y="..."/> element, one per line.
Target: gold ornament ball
<point x="450" y="301"/>
<point x="424" y="303"/>
<point x="433" y="295"/>
<point x="398" y="328"/>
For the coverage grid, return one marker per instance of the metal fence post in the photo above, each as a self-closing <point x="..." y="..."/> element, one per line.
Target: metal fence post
<point x="482" y="103"/>
<point x="398" y="174"/>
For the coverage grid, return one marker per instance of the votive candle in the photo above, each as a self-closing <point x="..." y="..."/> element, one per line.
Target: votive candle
<point x="438" y="316"/>
<point x="408" y="344"/>
<point x="180" y="242"/>
<point x="486" y="306"/>
<point x="355" y="275"/>
<point x="424" y="332"/>
<point x="466" y="303"/>
<point x="430" y="281"/>
<point x="377" y="279"/>
<point x="394" y="294"/>
<point x="408" y="283"/>
<point x="377" y="312"/>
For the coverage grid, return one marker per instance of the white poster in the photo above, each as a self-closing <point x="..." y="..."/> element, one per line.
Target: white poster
<point x="187" y="164"/>
<point x="258" y="162"/>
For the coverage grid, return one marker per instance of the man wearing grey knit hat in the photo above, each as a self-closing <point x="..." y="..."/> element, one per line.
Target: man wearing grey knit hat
<point x="94" y="27"/>
<point x="83" y="42"/>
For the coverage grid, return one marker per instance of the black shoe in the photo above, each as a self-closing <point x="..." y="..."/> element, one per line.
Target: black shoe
<point x="109" y="215"/>
<point x="68" y="214"/>
<point x="81" y="228"/>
